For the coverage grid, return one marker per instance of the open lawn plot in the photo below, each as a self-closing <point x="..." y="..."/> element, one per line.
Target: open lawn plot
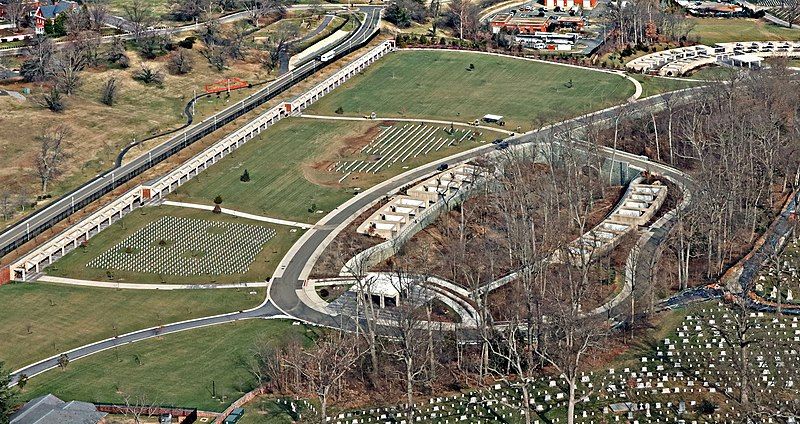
<point x="463" y="86"/>
<point x="167" y="244"/>
<point x="652" y="85"/>
<point x="722" y="30"/>
<point x="184" y="246"/>
<point x="39" y="320"/>
<point x="176" y="369"/>
<point x="280" y="162"/>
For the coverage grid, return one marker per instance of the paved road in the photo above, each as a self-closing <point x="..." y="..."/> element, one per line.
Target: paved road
<point x="26" y="229"/>
<point x="283" y="293"/>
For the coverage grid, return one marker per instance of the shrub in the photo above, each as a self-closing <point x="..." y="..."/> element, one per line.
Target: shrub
<point x="53" y="100"/>
<point x="187" y="43"/>
<point x="217" y="203"/>
<point x="339" y="110"/>
<point x="109" y="95"/>
<point x="180" y="62"/>
<point x="148" y="75"/>
<point x="245" y="177"/>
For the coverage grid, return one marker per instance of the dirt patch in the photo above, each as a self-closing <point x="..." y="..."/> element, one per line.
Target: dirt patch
<point x="320" y="171"/>
<point x="352" y="145"/>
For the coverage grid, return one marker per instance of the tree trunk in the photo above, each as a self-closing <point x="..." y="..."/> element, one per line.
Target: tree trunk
<point x="410" y="388"/>
<point x="571" y="404"/>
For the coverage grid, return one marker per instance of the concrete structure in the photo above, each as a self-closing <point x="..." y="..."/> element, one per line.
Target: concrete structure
<point x="567" y="4"/>
<point x="524" y="24"/>
<point x="389" y="220"/>
<point x="58" y="246"/>
<point x="679" y="61"/>
<point x="49" y="409"/>
<point x="674" y="62"/>
<point x="385" y="289"/>
<point x="637" y="207"/>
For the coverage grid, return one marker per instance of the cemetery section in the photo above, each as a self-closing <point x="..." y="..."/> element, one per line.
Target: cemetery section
<point x="692" y="374"/>
<point x="303" y="168"/>
<point x="463" y="87"/>
<point x="167" y="244"/>
<point x="778" y="282"/>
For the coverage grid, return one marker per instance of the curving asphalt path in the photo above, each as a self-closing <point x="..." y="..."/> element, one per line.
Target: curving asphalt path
<point x="283" y="294"/>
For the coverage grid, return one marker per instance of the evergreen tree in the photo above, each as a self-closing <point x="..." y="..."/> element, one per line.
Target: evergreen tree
<point x="7" y="395"/>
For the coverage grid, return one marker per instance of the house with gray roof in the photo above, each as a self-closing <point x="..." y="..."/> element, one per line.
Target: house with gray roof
<point x="49" y="409"/>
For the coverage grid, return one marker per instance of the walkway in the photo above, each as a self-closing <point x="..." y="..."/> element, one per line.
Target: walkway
<point x="425" y="121"/>
<point x="232" y="212"/>
<point x="146" y="286"/>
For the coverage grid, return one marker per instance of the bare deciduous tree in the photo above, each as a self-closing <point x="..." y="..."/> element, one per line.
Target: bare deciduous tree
<point x="51" y="155"/>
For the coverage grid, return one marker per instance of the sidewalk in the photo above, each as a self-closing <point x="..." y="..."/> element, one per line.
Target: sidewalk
<point x="145" y="286"/>
<point x="426" y="121"/>
<point x="240" y="214"/>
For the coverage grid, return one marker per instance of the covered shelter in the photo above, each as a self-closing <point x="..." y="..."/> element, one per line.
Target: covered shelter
<point x="749" y="61"/>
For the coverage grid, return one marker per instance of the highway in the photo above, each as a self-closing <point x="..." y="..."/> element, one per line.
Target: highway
<point x="36" y="223"/>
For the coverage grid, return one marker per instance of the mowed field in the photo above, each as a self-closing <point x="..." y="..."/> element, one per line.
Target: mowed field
<point x="279" y="162"/>
<point x="655" y="85"/>
<point x="39" y="320"/>
<point x="176" y="369"/>
<point x="713" y="30"/>
<point x="73" y="264"/>
<point x="440" y="85"/>
<point x="290" y="166"/>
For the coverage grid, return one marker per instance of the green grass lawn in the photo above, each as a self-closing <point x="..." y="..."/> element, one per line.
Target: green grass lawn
<point x="439" y="85"/>
<point x="713" y="73"/>
<point x="39" y="320"/>
<point x="176" y="369"/>
<point x="74" y="263"/>
<point x="720" y="30"/>
<point x="275" y="161"/>
<point x="288" y="165"/>
<point x="655" y="85"/>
